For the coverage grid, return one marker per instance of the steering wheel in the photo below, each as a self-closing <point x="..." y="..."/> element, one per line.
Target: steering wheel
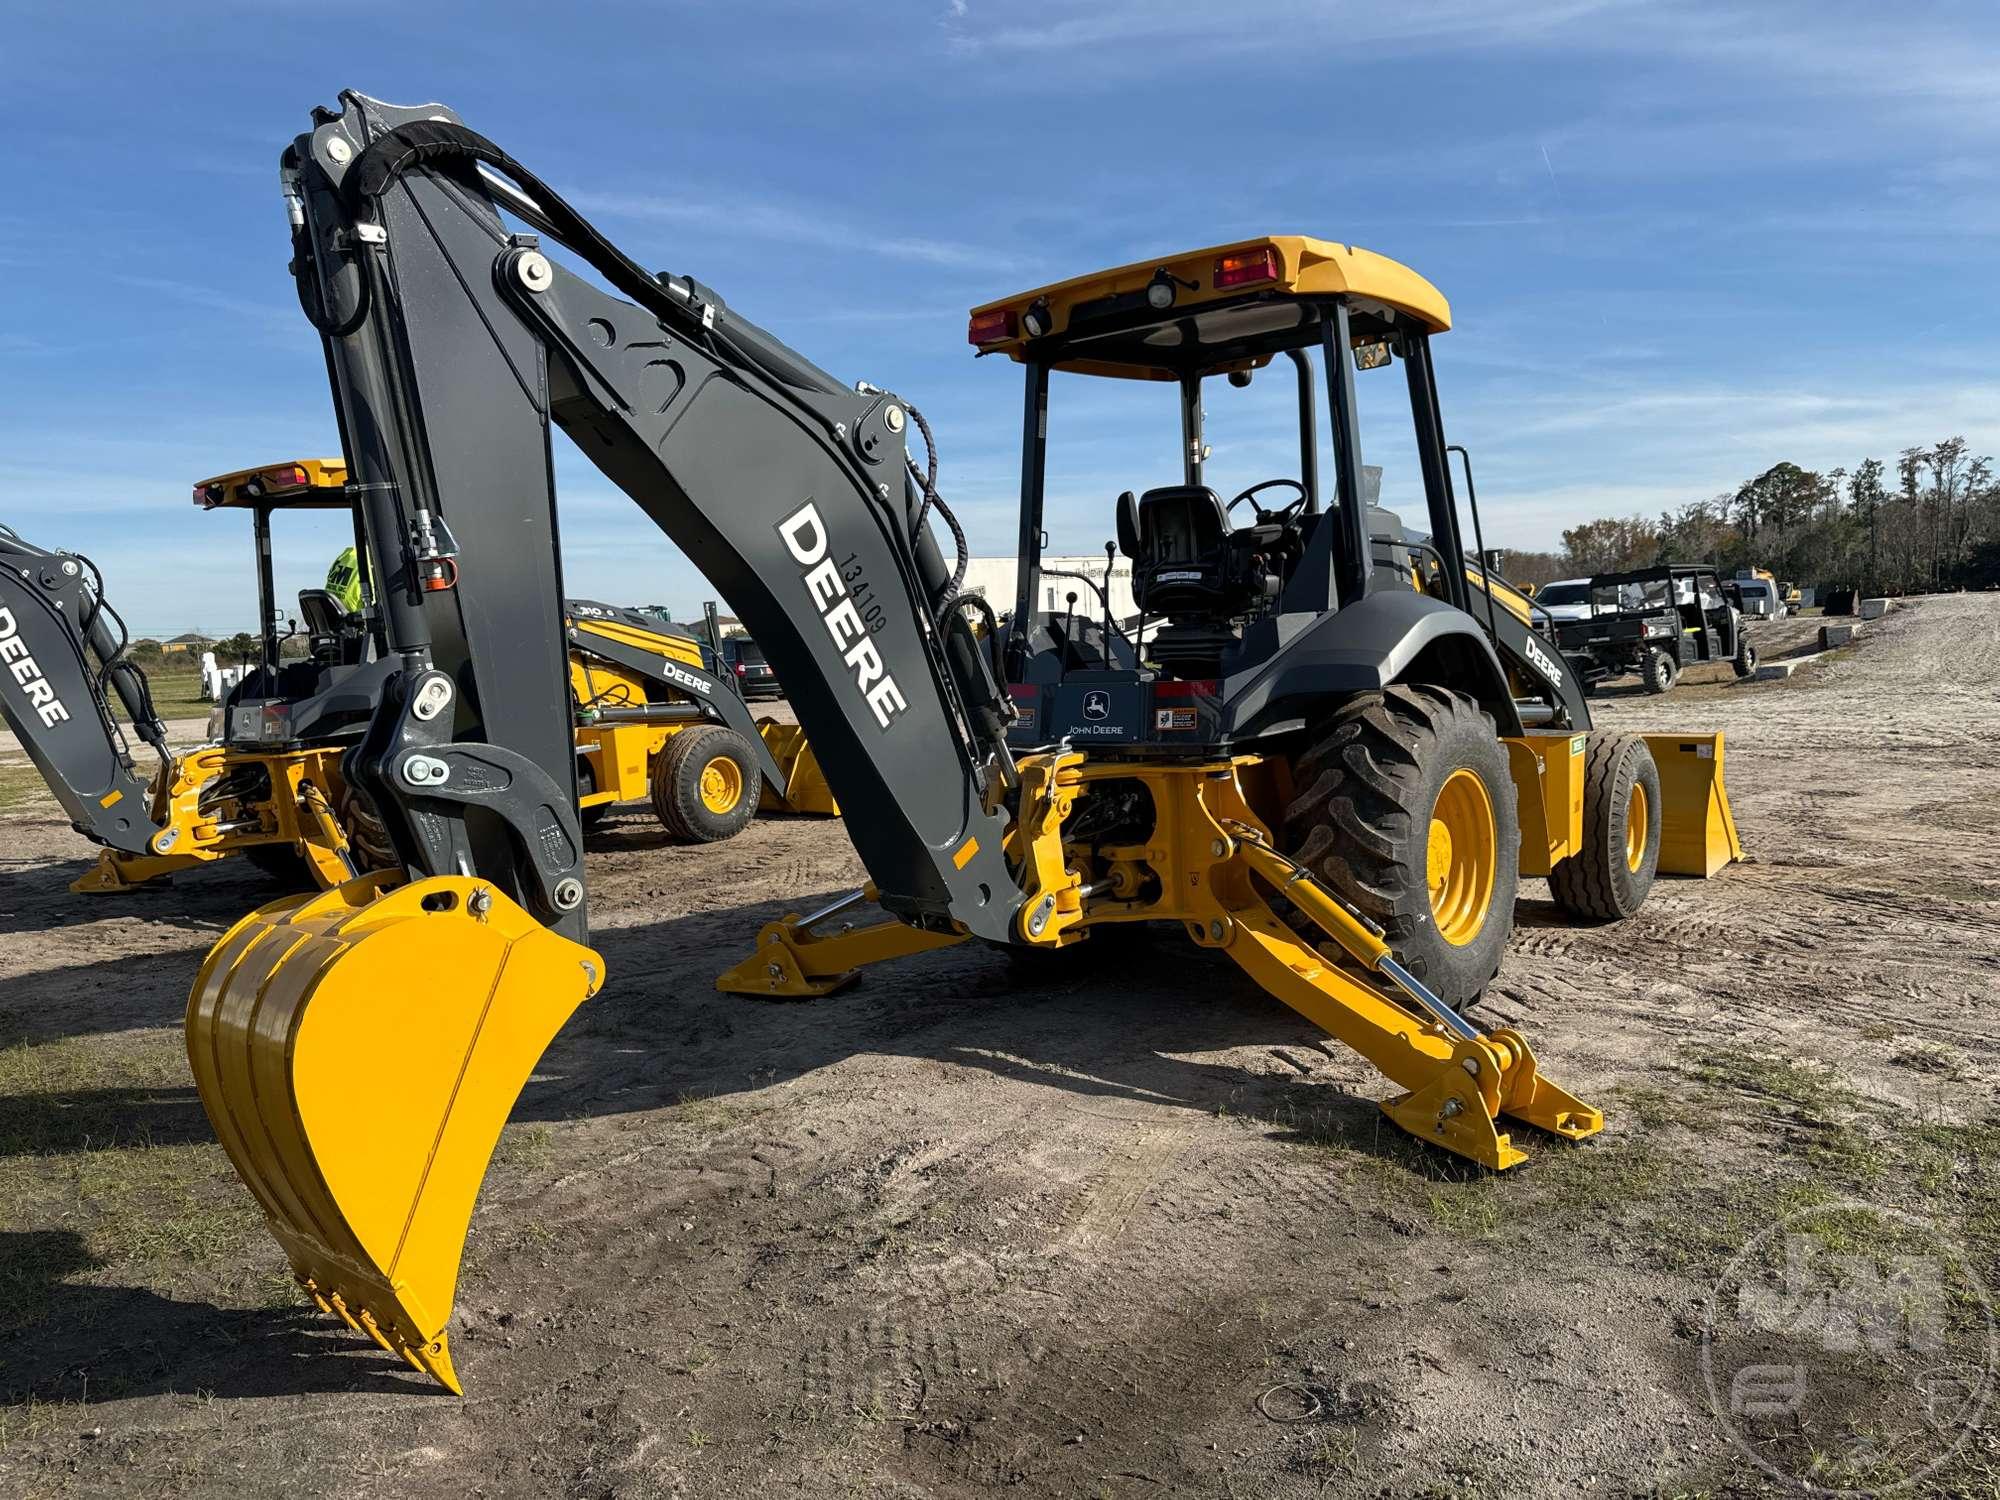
<point x="1266" y="517"/>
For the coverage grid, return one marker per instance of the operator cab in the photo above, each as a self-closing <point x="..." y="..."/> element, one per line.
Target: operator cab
<point x="333" y="689"/>
<point x="1223" y="581"/>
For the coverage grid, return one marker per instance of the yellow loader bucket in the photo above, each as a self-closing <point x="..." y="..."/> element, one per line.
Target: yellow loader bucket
<point x="357" y="1052"/>
<point x="806" y="790"/>
<point x="1697" y="830"/>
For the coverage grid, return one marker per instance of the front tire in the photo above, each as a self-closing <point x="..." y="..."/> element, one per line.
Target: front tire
<point x="1609" y="877"/>
<point x="1405" y="807"/>
<point x="1746" y="660"/>
<point x="706" y="784"/>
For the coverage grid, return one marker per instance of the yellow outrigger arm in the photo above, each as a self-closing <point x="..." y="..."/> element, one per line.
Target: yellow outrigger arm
<point x="1214" y="864"/>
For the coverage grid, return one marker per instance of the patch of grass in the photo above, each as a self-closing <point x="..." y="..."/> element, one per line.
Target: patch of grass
<point x="1930" y="1057"/>
<point x="526" y="1148"/>
<point x="1467" y="1210"/>
<point x="19" y="786"/>
<point x="1330" y="1455"/>
<point x="704" y="1112"/>
<point x="106" y="1162"/>
<point x="1813" y="1092"/>
<point x="177" y="695"/>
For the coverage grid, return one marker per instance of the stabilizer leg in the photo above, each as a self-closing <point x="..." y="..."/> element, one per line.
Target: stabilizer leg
<point x="1458" y="1081"/>
<point x="794" y="962"/>
<point x="116" y="872"/>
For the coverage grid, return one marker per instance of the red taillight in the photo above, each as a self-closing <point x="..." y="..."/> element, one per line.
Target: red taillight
<point x="990" y="327"/>
<point x="290" y="477"/>
<point x="1246" y="268"/>
<point x="740" y="672"/>
<point x="207" y="495"/>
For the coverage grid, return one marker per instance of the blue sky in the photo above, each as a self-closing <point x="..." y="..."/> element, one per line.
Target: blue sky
<point x="1682" y="240"/>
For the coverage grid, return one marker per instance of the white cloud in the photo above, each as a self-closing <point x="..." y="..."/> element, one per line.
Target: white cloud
<point x="796" y="224"/>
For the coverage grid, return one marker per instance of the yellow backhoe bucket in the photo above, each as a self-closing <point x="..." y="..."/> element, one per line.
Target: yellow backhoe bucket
<point x="357" y="1052"/>
<point x="805" y="790"/>
<point x="1697" y="830"/>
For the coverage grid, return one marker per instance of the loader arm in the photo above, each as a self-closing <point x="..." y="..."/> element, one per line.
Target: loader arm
<point x="621" y="646"/>
<point x="62" y="656"/>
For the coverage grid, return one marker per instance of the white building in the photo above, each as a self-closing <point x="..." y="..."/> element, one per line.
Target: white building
<point x="997" y="577"/>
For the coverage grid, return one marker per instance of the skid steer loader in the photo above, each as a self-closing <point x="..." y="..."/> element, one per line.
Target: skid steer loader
<point x="1330" y="760"/>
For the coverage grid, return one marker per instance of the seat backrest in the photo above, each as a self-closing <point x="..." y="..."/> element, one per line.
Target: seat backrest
<point x="322" y="613"/>
<point x="1180" y="537"/>
<point x="1182" y="523"/>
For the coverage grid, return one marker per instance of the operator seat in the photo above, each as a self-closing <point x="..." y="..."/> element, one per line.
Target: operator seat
<point x="1188" y="566"/>
<point x="1186" y="562"/>
<point x="334" y="635"/>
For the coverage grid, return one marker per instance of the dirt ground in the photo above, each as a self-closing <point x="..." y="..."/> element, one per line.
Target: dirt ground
<point x="1098" y="1229"/>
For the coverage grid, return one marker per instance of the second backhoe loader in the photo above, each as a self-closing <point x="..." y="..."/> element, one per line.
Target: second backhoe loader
<point x="653" y="720"/>
<point x="1321" y="764"/>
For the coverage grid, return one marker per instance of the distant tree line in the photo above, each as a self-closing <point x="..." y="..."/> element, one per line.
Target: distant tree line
<point x="1934" y="523"/>
<point x="240" y="649"/>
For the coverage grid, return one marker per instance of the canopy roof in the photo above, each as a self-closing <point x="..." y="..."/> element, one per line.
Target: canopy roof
<point x="295" y="484"/>
<point x="1103" y="323"/>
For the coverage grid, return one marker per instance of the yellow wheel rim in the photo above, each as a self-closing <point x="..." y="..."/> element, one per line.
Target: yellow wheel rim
<point x="721" y="785"/>
<point x="1635" y="827"/>
<point x="1460" y="862"/>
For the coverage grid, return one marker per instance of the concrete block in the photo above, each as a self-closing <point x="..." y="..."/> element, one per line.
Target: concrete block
<point x="1831" y="636"/>
<point x="1872" y="609"/>
<point x="1778" y="671"/>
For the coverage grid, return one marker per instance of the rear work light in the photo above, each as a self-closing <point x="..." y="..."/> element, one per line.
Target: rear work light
<point x="1246" y="268"/>
<point x="991" y="327"/>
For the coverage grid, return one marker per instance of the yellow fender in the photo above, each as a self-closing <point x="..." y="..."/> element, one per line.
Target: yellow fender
<point x="357" y="1052"/>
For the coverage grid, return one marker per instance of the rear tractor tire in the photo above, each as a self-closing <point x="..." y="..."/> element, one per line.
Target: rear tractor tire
<point x="1404" y="806"/>
<point x="1661" y="672"/>
<point x="706" y="784"/>
<point x="1608" y="878"/>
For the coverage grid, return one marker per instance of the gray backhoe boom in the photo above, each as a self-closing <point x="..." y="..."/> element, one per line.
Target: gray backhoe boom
<point x="62" y="654"/>
<point x="454" y="343"/>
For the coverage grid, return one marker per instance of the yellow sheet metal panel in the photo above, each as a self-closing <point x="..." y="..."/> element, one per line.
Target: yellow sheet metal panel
<point x="620" y="758"/>
<point x="1548" y="786"/>
<point x="370" y="1194"/>
<point x="680" y="648"/>
<point x="1697" y="829"/>
<point x="1306" y="267"/>
<point x="1504" y="595"/>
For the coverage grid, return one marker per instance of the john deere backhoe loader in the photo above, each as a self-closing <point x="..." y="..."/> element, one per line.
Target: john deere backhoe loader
<point x="62" y="661"/>
<point x="1308" y="737"/>
<point x="268" y="786"/>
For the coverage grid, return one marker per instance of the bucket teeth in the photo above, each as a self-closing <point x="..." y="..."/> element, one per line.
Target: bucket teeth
<point x="436" y="1358"/>
<point x="370" y="1197"/>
